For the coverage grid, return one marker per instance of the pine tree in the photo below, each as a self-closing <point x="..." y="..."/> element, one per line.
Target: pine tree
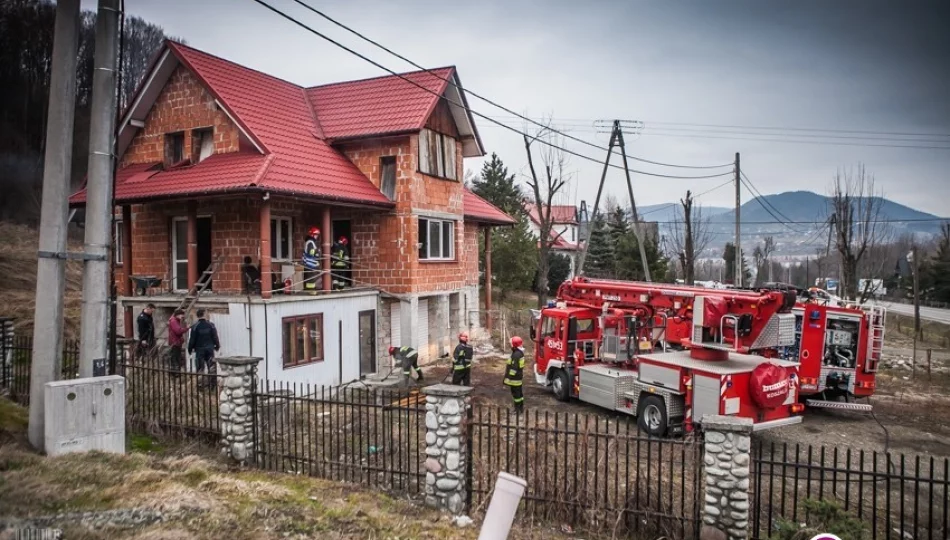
<point x="514" y="257"/>
<point x="729" y="256"/>
<point x="618" y="233"/>
<point x="496" y="186"/>
<point x="600" y="253"/>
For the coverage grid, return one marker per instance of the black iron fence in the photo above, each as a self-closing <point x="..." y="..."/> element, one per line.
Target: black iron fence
<point x="376" y="439"/>
<point x="16" y="358"/>
<point x="599" y="474"/>
<point x="893" y="496"/>
<point x="168" y="402"/>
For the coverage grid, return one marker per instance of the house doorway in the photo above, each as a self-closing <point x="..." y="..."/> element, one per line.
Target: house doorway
<point x="180" y="251"/>
<point x="367" y="342"/>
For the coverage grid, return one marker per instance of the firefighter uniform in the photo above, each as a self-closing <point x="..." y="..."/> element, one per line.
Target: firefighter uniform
<point x="462" y="363"/>
<point x="311" y="259"/>
<point x="409" y="359"/>
<point x="340" y="262"/>
<point x="514" y="376"/>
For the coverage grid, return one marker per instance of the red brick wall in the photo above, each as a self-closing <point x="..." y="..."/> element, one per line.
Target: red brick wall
<point x="470" y="246"/>
<point x="183" y="105"/>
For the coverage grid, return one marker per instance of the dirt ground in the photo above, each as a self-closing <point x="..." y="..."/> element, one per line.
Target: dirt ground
<point x="913" y="408"/>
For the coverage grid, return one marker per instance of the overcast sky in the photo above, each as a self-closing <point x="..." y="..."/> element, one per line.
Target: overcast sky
<point x="878" y="66"/>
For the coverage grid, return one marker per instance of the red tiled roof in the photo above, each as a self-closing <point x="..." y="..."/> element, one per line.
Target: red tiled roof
<point x="278" y="114"/>
<point x="561" y="214"/>
<point x="380" y="105"/>
<point x="480" y="210"/>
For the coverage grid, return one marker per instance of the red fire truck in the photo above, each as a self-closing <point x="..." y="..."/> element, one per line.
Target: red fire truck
<point x="670" y="354"/>
<point x="839" y="349"/>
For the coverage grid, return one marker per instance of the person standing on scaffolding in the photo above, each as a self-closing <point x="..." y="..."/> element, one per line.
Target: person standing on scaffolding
<point x="311" y="259"/>
<point x="340" y="262"/>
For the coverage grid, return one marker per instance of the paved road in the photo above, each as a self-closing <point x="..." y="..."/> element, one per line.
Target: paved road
<point x="926" y="313"/>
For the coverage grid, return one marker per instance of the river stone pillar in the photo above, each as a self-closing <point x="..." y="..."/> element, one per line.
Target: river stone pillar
<point x="447" y="410"/>
<point x="236" y="407"/>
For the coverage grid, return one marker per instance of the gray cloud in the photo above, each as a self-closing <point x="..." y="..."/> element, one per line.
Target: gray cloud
<point x="868" y="65"/>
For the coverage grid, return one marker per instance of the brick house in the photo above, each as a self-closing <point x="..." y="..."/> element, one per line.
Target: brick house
<point x="218" y="162"/>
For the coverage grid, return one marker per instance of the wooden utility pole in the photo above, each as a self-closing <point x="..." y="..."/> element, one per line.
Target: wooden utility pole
<point x="915" y="268"/>
<point x="738" y="277"/>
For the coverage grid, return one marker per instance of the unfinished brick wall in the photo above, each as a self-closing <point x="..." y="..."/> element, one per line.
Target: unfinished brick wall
<point x="470" y="251"/>
<point x="183" y="105"/>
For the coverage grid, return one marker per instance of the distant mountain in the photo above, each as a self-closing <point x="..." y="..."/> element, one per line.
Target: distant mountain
<point x="796" y="219"/>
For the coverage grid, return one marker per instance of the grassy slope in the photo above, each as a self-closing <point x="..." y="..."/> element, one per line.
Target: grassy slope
<point x="18" y="246"/>
<point x="202" y="498"/>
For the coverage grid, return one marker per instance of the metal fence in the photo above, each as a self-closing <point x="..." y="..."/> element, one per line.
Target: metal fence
<point x="895" y="496"/>
<point x="376" y="439"/>
<point x="599" y="474"/>
<point x="16" y="358"/>
<point x="167" y="402"/>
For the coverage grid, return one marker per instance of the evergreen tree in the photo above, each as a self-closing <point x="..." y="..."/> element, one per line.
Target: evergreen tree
<point x="559" y="268"/>
<point x="729" y="256"/>
<point x="496" y="186"/>
<point x="618" y="235"/>
<point x="514" y="257"/>
<point x="600" y="253"/>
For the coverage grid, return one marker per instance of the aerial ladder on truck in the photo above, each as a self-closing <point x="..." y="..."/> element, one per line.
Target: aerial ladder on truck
<point x="670" y="354"/>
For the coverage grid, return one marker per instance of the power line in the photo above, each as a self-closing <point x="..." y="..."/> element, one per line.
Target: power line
<point x="822" y="130"/>
<point x="873" y="221"/>
<point x="647" y="127"/>
<point x="784" y="141"/>
<point x="765" y="204"/>
<point x="720" y="186"/>
<point x="485" y="99"/>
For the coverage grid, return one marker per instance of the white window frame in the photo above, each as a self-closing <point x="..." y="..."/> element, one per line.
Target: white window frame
<point x="446" y="146"/>
<point x="275" y="240"/>
<point x="117" y="249"/>
<point x="441" y="228"/>
<point x="174" y="261"/>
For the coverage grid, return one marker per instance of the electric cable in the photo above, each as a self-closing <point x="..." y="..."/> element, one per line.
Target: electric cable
<point x="464" y="107"/>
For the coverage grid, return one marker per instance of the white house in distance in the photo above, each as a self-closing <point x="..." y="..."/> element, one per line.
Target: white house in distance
<point x="565" y="230"/>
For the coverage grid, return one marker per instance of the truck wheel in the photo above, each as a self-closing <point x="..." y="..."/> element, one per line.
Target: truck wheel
<point x="651" y="416"/>
<point x="561" y="386"/>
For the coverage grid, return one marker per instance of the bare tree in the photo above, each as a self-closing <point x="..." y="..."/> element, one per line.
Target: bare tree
<point x="545" y="190"/>
<point x="689" y="237"/>
<point x="856" y="209"/>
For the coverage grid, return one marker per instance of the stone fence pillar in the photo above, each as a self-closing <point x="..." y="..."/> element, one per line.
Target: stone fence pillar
<point x="235" y="409"/>
<point x="447" y="409"/>
<point x="726" y="463"/>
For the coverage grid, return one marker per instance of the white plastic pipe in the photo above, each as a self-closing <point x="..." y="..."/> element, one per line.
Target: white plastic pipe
<point x="504" y="505"/>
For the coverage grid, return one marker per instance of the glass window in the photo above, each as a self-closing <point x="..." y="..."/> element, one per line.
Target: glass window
<point x="436" y="239"/>
<point x="302" y="340"/>
<point x="280" y="231"/>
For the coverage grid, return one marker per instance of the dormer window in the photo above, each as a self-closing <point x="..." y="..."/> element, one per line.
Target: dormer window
<point x="174" y="149"/>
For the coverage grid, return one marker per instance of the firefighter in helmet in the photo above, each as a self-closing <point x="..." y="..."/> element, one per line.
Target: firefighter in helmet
<point x="311" y="259"/>
<point x="340" y="262"/>
<point x="462" y="362"/>
<point x="514" y="373"/>
<point x="409" y="360"/>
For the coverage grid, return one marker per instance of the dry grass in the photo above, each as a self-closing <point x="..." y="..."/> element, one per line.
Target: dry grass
<point x="18" y="247"/>
<point x="203" y="498"/>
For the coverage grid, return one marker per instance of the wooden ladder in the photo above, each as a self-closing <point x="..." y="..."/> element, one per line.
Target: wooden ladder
<point x="191" y="299"/>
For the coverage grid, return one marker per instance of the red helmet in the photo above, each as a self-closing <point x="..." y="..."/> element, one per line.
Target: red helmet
<point x="343" y="240"/>
<point x="392" y="351"/>
<point x="516" y="341"/>
<point x="463" y="337"/>
<point x="313" y="232"/>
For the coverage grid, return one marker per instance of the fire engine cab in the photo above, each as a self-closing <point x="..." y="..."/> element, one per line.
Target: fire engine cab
<point x="670" y="354"/>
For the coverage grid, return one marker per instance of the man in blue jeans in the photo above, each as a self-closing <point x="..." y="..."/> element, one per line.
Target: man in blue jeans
<point x="203" y="342"/>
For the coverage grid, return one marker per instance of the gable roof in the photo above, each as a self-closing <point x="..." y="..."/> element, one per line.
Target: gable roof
<point x="479" y="210"/>
<point x="561" y="214"/>
<point x="283" y="123"/>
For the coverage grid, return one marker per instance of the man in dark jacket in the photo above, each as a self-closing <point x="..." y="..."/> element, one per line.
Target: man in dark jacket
<point x="176" y="338"/>
<point x="514" y="373"/>
<point x="462" y="362"/>
<point x="203" y="343"/>
<point x="340" y="262"/>
<point x="146" y="328"/>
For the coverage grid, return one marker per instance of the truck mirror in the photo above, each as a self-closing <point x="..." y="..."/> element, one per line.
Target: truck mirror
<point x="532" y="332"/>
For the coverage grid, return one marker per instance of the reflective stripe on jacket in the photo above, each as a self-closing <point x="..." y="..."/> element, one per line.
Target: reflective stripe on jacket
<point x="514" y="368"/>
<point x="311" y="254"/>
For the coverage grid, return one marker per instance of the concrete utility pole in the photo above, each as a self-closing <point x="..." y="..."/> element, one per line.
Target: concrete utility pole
<point x="637" y="232"/>
<point x="50" y="274"/>
<point x="738" y="263"/>
<point x="99" y="209"/>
